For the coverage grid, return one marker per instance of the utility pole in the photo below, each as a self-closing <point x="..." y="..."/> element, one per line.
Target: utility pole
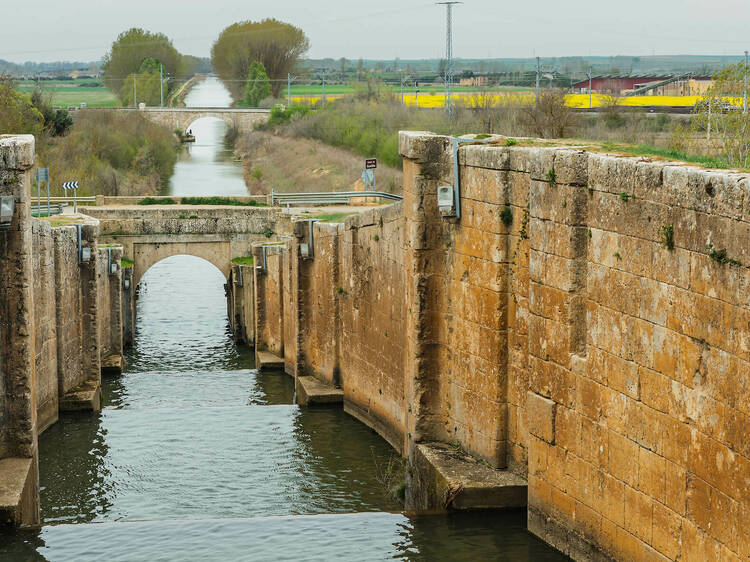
<point x="289" y="80"/>
<point x="589" y="87"/>
<point x="745" y="103"/>
<point x="537" y="81"/>
<point x="324" y="90"/>
<point x="448" y="78"/>
<point x="161" y="85"/>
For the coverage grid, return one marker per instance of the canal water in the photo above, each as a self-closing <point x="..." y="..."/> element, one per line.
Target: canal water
<point x="198" y="456"/>
<point x="207" y="166"/>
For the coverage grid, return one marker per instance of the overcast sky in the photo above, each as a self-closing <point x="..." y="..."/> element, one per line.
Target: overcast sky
<point x="45" y="30"/>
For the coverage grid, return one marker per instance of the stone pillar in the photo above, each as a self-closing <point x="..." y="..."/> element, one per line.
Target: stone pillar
<point x="18" y="424"/>
<point x="128" y="306"/>
<point x="425" y="161"/>
<point x="90" y="336"/>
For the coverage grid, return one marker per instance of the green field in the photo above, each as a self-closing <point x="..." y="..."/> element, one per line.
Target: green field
<point x="66" y="93"/>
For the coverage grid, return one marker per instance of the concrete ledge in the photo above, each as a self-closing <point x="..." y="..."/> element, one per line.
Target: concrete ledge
<point x="16" y="492"/>
<point x="444" y="478"/>
<point x="113" y="364"/>
<point x="566" y="541"/>
<point x="267" y="362"/>
<point x="312" y="392"/>
<point x="394" y="437"/>
<point x="46" y="415"/>
<point x="87" y="396"/>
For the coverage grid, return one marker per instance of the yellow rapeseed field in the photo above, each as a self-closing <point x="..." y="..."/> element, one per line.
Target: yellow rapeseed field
<point x="485" y="99"/>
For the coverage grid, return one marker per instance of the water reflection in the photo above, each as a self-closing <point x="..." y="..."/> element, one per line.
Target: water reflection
<point x="207" y="166"/>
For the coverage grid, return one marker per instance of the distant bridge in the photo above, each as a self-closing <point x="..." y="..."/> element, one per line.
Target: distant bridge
<point x="183" y="117"/>
<point x="217" y="234"/>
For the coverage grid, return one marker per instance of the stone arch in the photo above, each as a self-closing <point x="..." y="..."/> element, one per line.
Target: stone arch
<point x="147" y="255"/>
<point x="191" y="118"/>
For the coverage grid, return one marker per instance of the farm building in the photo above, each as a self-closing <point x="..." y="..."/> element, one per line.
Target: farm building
<point x="669" y="85"/>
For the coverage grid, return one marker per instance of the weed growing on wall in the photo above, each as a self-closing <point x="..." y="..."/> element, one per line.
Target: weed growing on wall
<point x="525" y="224"/>
<point x="720" y="256"/>
<point x="511" y="142"/>
<point x="506" y="215"/>
<point x="551" y="177"/>
<point x="624" y="197"/>
<point x="667" y="236"/>
<point x="617" y="256"/>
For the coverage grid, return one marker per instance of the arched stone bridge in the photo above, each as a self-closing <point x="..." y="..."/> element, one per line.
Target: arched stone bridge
<point x="183" y="117"/>
<point x="218" y="234"/>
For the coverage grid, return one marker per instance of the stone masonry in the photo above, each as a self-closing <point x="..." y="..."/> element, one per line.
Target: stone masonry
<point x="585" y="324"/>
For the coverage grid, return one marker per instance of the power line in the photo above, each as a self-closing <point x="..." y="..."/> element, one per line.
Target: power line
<point x="448" y="79"/>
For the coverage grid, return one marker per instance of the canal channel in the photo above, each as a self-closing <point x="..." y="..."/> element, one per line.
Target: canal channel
<point x="198" y="456"/>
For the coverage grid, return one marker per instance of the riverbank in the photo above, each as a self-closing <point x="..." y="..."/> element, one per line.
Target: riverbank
<point x="288" y="163"/>
<point x="110" y="153"/>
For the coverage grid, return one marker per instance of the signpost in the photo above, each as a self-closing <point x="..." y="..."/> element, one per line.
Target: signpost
<point x="74" y="186"/>
<point x="42" y="174"/>
<point x="368" y="176"/>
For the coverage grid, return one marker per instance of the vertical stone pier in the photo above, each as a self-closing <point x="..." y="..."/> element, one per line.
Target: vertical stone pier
<point x="19" y="457"/>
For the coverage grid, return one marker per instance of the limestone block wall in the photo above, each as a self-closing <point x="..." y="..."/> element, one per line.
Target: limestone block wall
<point x="18" y="435"/>
<point x="585" y="323"/>
<point x="269" y="301"/>
<point x="241" y="303"/>
<point x="371" y="298"/>
<point x="109" y="291"/>
<point x="45" y="333"/>
<point x="68" y="307"/>
<point x="128" y="306"/>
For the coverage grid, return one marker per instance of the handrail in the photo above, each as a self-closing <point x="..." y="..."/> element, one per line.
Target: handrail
<point x="329" y="196"/>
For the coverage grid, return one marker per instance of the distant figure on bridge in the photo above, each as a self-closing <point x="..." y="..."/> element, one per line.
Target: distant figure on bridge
<point x="190" y="132"/>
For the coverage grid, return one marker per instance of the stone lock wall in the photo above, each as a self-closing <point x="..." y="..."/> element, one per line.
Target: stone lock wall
<point x="584" y="324"/>
<point x="45" y="334"/>
<point x="51" y="324"/>
<point x="269" y="302"/>
<point x="241" y="303"/>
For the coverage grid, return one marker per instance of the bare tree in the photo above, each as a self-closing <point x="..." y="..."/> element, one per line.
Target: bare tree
<point x="721" y="117"/>
<point x="551" y="117"/>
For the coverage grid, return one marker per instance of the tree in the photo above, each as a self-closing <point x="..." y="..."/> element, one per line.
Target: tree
<point x="57" y="122"/>
<point x="276" y="44"/>
<point x="17" y="113"/>
<point x="720" y="115"/>
<point x="147" y="89"/>
<point x="258" y="87"/>
<point x="551" y="117"/>
<point x="342" y="62"/>
<point x="139" y="51"/>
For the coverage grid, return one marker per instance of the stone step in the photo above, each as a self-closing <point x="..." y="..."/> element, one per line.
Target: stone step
<point x="17" y="505"/>
<point x="266" y="361"/>
<point x="450" y="479"/>
<point x="113" y="364"/>
<point x="312" y="392"/>
<point x="87" y="396"/>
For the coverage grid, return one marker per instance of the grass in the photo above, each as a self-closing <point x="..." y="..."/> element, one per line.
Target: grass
<point x="247" y="260"/>
<point x="665" y="154"/>
<point x="126" y="263"/>
<point x="157" y="201"/>
<point x="66" y="93"/>
<point x="61" y="221"/>
<point x="332" y="217"/>
<point x="216" y="200"/>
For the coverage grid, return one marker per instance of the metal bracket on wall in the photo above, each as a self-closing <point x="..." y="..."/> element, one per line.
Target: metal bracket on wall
<point x="80" y="246"/>
<point x="311" y="239"/>
<point x="456" y="142"/>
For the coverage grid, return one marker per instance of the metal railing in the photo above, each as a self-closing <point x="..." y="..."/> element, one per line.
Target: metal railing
<point x="48" y="210"/>
<point x="328" y="198"/>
